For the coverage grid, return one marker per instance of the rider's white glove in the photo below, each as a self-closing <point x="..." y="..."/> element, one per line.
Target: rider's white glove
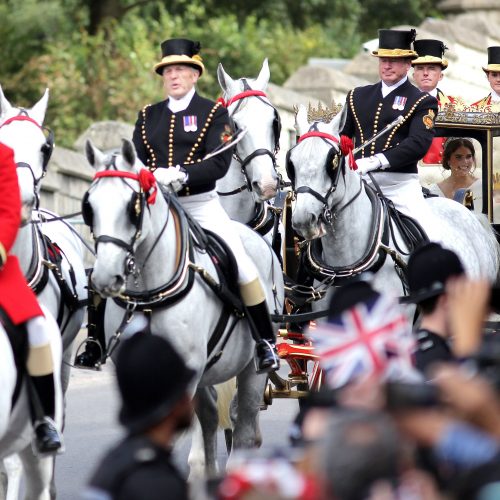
<point x="172" y="177"/>
<point x="366" y="165"/>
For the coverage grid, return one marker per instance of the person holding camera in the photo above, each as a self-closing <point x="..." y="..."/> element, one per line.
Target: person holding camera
<point x="429" y="269"/>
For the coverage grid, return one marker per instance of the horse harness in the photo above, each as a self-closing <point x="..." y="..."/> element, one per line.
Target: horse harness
<point x="385" y="219"/>
<point x="48" y="257"/>
<point x="189" y="236"/>
<point x="46" y="148"/>
<point x="259" y="94"/>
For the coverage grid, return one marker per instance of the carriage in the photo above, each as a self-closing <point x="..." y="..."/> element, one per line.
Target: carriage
<point x="294" y="348"/>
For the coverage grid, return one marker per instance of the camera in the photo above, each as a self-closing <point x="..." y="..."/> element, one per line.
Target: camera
<point x="405" y="395"/>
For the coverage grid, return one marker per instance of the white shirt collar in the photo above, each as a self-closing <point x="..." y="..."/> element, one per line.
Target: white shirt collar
<point x="176" y="105"/>
<point x="386" y="89"/>
<point x="433" y="92"/>
<point x="494" y="96"/>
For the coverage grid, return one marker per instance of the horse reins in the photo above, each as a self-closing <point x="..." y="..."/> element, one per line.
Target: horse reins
<point x="329" y="213"/>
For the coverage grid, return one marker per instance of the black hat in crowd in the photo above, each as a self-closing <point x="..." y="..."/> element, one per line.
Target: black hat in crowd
<point x="396" y="43"/>
<point x="493" y="60"/>
<point x="180" y="51"/>
<point x="152" y="378"/>
<point x="429" y="268"/>
<point x="349" y="295"/>
<point x="430" y="52"/>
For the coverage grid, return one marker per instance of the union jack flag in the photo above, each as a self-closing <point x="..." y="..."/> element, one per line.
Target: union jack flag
<point x="371" y="338"/>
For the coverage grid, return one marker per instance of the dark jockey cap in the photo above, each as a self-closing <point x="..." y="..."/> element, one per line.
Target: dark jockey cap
<point x="430" y="52"/>
<point x="396" y="43"/>
<point x="349" y="295"/>
<point x="429" y="268"/>
<point x="180" y="51"/>
<point x="493" y="60"/>
<point x="152" y="378"/>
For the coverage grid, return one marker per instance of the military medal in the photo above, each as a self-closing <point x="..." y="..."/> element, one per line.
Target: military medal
<point x="190" y="123"/>
<point x="399" y="102"/>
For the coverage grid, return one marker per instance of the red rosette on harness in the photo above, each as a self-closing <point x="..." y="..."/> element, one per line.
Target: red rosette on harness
<point x="147" y="181"/>
<point x="346" y="147"/>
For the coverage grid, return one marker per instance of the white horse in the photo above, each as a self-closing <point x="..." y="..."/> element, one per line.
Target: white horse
<point x="61" y="290"/>
<point x="144" y="257"/>
<point x="334" y="204"/>
<point x="252" y="178"/>
<point x="22" y="130"/>
<point x="16" y="431"/>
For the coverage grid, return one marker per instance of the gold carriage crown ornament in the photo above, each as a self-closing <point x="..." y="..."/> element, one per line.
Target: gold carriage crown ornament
<point x="321" y="114"/>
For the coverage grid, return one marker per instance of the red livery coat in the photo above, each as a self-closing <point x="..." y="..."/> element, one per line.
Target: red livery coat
<point x="16" y="297"/>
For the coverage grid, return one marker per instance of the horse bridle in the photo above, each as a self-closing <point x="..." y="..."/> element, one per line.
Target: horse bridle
<point x="136" y="207"/>
<point x="328" y="213"/>
<point x="244" y="162"/>
<point x="46" y="149"/>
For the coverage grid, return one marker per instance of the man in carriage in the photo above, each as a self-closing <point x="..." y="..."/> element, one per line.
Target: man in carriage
<point x="20" y="312"/>
<point x="428" y="72"/>
<point x="392" y="159"/>
<point x="492" y="71"/>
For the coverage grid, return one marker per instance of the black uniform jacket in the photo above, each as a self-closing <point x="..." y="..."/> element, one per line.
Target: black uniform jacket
<point x="165" y="139"/>
<point x="403" y="146"/>
<point x="136" y="469"/>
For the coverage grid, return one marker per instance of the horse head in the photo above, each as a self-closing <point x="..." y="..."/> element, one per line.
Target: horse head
<point x="249" y="108"/>
<point x="317" y="169"/>
<point x="22" y="130"/>
<point x="117" y="209"/>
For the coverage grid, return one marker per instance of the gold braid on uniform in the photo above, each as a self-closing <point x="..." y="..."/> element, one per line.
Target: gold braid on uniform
<point x="189" y="158"/>
<point x="405" y="118"/>
<point x="375" y="128"/>
<point x="351" y="105"/>
<point x="151" y="160"/>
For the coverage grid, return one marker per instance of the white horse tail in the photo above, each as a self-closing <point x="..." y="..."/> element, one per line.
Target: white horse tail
<point x="225" y="395"/>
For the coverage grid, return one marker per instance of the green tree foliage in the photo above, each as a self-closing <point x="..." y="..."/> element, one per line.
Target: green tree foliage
<point x="97" y="57"/>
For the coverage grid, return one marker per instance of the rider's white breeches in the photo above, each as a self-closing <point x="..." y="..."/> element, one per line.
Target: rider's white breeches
<point x="40" y="354"/>
<point x="206" y="209"/>
<point x="405" y="191"/>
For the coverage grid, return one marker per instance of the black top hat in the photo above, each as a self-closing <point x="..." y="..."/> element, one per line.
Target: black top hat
<point x="430" y="52"/>
<point x="429" y="268"/>
<point x="396" y="43"/>
<point x="349" y="295"/>
<point x="493" y="60"/>
<point x="180" y="51"/>
<point x="152" y="377"/>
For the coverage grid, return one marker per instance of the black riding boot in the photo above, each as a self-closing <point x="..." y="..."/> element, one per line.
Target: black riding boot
<point x="47" y="438"/>
<point x="92" y="356"/>
<point x="267" y="358"/>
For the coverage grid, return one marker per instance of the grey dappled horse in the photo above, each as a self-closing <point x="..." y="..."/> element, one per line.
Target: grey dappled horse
<point x="332" y="203"/>
<point x="252" y="178"/>
<point x="22" y="130"/>
<point x="138" y="254"/>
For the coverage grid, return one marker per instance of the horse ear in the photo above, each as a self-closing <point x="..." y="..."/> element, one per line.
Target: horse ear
<point x="301" y="123"/>
<point x="5" y="105"/>
<point x="94" y="156"/>
<point x="128" y="152"/>
<point x="225" y="81"/>
<point x="37" y="112"/>
<point x="338" y="121"/>
<point x="263" y="79"/>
